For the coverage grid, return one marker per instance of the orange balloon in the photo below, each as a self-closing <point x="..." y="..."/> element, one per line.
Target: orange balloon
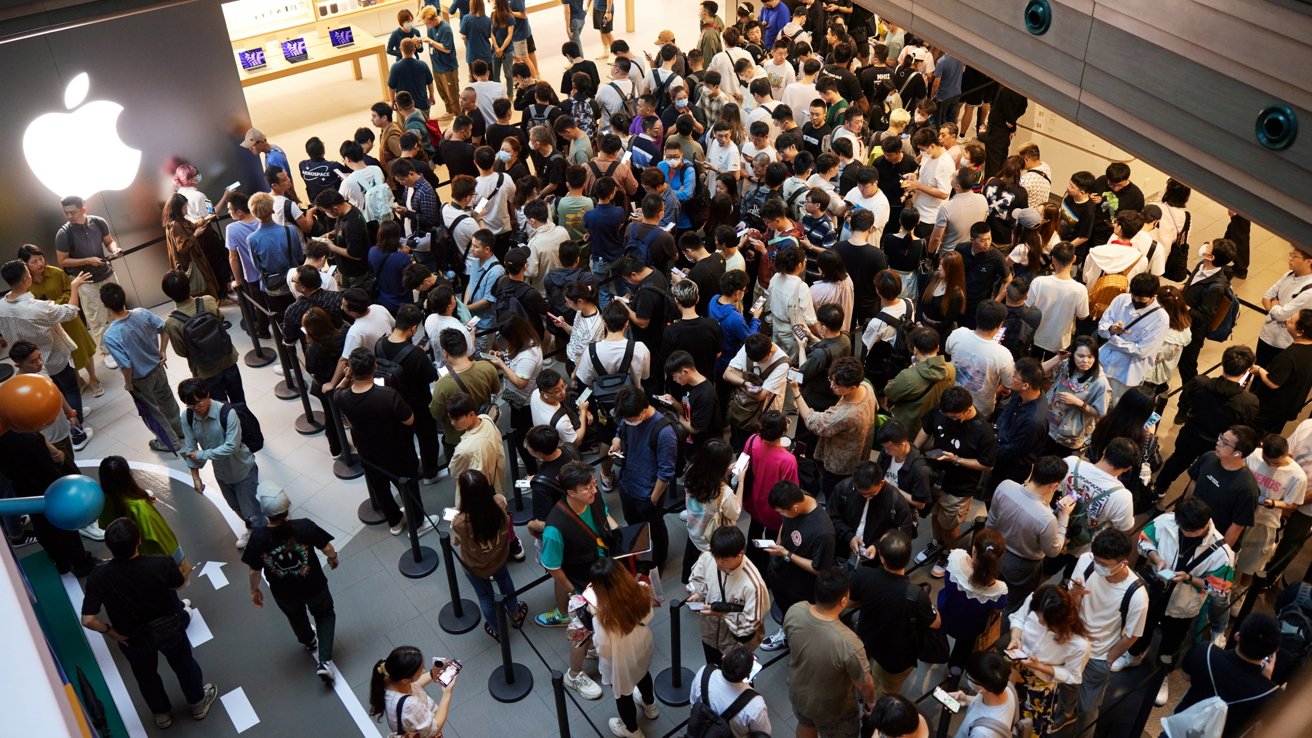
<point x="29" y="402"/>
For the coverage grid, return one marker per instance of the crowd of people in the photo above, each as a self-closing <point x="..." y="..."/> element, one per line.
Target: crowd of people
<point x="788" y="284"/>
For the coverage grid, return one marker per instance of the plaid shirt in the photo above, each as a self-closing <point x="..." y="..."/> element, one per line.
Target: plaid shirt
<point x="425" y="204"/>
<point x="330" y="302"/>
<point x="29" y="319"/>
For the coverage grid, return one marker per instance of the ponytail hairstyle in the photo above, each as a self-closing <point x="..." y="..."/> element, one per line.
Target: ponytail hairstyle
<point x="987" y="551"/>
<point x="400" y="664"/>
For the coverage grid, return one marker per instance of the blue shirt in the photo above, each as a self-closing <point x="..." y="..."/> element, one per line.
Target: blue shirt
<point x="948" y="70"/>
<point x="604" y="223"/>
<point x="394" y="41"/>
<point x="733" y="327"/>
<point x="277" y="158"/>
<point x="522" y="28"/>
<point x="134" y="341"/>
<point x="390" y="268"/>
<point x="575" y="8"/>
<point x="477" y="30"/>
<point x="274" y="249"/>
<point x="683" y="184"/>
<point x="774" y="19"/>
<point x="458" y="6"/>
<point x="414" y="77"/>
<point x="641" y="467"/>
<point x="483" y="278"/>
<point x="444" y="61"/>
<point x="1128" y="358"/>
<point x="235" y="235"/>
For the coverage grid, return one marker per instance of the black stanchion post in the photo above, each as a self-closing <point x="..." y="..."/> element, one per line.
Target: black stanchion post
<point x="311" y="421"/>
<point x="348" y="465"/>
<point x="558" y="691"/>
<point x="258" y="356"/>
<point x="459" y="615"/>
<point x="285" y="389"/>
<point x="520" y="513"/>
<point x="674" y="684"/>
<point x="510" y="682"/>
<point x="419" y="561"/>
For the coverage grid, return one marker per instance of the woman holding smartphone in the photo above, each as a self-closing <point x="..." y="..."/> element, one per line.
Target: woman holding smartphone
<point x="710" y="500"/>
<point x="621" y="612"/>
<point x="396" y="693"/>
<point x="1050" y="646"/>
<point x="1078" y="398"/>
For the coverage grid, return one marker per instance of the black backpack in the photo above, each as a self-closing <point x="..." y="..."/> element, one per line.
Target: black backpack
<point x="661" y="90"/>
<point x="252" y="437"/>
<point x="1019" y="336"/>
<point x="391" y="371"/>
<point x="606" y="386"/>
<point x="1295" y="634"/>
<point x="203" y="334"/>
<point x="442" y="244"/>
<point x="886" y="358"/>
<point x="703" y="722"/>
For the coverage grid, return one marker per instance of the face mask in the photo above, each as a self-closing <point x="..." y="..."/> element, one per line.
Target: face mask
<point x="503" y="156"/>
<point x="1103" y="571"/>
<point x="407" y="26"/>
<point x="674" y="163"/>
<point x="920" y="118"/>
<point x="681" y="102"/>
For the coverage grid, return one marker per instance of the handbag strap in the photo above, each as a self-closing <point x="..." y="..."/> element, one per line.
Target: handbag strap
<point x="601" y="543"/>
<point x="400" y="728"/>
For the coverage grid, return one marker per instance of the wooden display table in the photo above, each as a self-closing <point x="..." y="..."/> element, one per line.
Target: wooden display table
<point x="321" y="54"/>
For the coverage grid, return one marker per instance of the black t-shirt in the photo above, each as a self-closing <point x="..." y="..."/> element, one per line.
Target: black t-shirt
<point x="587" y="67"/>
<point x="1235" y="680"/>
<point x="378" y="427"/>
<point x="497" y="132"/>
<point x="353" y="235"/>
<point x="863" y="262"/>
<point x="871" y="76"/>
<point x="1232" y="495"/>
<point x="890" y="626"/>
<point x="813" y="136"/>
<point x="661" y="253"/>
<point x="847" y="178"/>
<point x="321" y="175"/>
<point x="459" y="157"/>
<point x="321" y="358"/>
<point x="425" y="170"/>
<point x="1129" y="198"/>
<point x="699" y="336"/>
<point x="133" y="591"/>
<point x="810" y="536"/>
<point x="290" y="564"/>
<point x="973" y="439"/>
<point x="1077" y="219"/>
<point x="848" y="85"/>
<point x="1003" y="200"/>
<point x="649" y="302"/>
<point x="418" y="373"/>
<point x="890" y="180"/>
<point x="545" y="496"/>
<point x="704" y="410"/>
<point x="706" y="274"/>
<point x="551" y="170"/>
<point x="910" y="86"/>
<point x="904" y="252"/>
<point x="1292" y="370"/>
<point x="984" y="273"/>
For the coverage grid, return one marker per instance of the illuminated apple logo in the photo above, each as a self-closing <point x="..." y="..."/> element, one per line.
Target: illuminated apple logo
<point x="79" y="152"/>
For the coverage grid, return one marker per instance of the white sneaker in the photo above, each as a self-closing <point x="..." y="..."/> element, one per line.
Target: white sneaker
<point x="110" y="363"/>
<point x="243" y="539"/>
<point x="1163" y="695"/>
<point x="775" y="642"/>
<point x="938" y="571"/>
<point x="1220" y="640"/>
<point x="80" y="440"/>
<point x="583" y="684"/>
<point x="1126" y="661"/>
<point x="649" y="710"/>
<point x="325" y="672"/>
<point x="618" y="730"/>
<point x="92" y="532"/>
<point x="683" y="516"/>
<point x="277" y="369"/>
<point x="397" y="529"/>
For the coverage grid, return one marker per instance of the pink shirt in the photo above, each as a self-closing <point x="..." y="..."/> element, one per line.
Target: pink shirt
<point x="769" y="464"/>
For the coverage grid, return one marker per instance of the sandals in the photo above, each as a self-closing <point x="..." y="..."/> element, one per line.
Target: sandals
<point x="520" y="614"/>
<point x="487" y="628"/>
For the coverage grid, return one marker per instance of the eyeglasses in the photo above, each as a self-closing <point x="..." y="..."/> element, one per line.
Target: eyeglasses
<point x="1220" y="441"/>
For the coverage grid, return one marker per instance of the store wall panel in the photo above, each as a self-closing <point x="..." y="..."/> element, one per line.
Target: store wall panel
<point x="178" y="86"/>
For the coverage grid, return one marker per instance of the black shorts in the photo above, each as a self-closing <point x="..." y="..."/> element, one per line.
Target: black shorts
<point x="532" y="47"/>
<point x="600" y="23"/>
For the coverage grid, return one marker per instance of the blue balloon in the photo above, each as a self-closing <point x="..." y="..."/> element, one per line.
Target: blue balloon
<point x="74" y="501"/>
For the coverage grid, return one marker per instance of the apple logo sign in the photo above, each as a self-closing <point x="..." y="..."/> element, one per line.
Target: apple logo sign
<point x="80" y="152"/>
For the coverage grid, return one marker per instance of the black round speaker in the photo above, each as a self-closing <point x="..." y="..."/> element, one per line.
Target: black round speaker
<point x="1277" y="127"/>
<point x="1038" y="17"/>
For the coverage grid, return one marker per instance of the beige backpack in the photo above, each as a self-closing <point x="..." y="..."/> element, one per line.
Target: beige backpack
<point x="1107" y="287"/>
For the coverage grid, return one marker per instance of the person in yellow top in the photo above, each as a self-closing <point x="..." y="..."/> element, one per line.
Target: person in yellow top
<point x="126" y="498"/>
<point x="54" y="284"/>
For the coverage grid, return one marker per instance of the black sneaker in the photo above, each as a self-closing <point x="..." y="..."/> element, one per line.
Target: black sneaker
<point x="325" y="672"/>
<point x="517" y="550"/>
<point x="312" y="645"/>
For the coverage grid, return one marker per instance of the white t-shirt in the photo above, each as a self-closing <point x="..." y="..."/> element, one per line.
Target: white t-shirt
<point x="724" y="158"/>
<point x="790" y="302"/>
<point x="1300" y="447"/>
<point x="327" y="282"/>
<point x="798" y="97"/>
<point x="1004" y="713"/>
<point x="542" y="414"/>
<point x="1100" y="609"/>
<point x="1144" y="240"/>
<point x="488" y="92"/>
<point x="526" y="364"/>
<point x="750" y="151"/>
<point x="1061" y="301"/>
<point x="280" y="211"/>
<point x="982" y="365"/>
<point x="877" y="204"/>
<point x="1116" y="510"/>
<point x="610" y="354"/>
<point x="356" y="183"/>
<point x="433" y="327"/>
<point x="497" y="219"/>
<point x="780" y="76"/>
<point x="753" y="717"/>
<point x="367" y="329"/>
<point x="859" y="151"/>
<point x="1294" y="294"/>
<point x="1287" y="483"/>
<point x="776" y="382"/>
<point x="936" y="174"/>
<point x="613" y="101"/>
<point x="878" y="330"/>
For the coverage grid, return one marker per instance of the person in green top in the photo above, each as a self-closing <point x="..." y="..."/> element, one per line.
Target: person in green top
<point x="125" y="498"/>
<point x="836" y="106"/>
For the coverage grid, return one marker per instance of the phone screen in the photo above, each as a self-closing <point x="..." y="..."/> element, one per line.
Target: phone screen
<point x="762" y="542"/>
<point x="696" y="606"/>
<point x="586" y="394"/>
<point x="233" y="186"/>
<point x="481" y="204"/>
<point x="453" y="667"/>
<point x="760" y="301"/>
<point x="795" y="375"/>
<point x="946" y="699"/>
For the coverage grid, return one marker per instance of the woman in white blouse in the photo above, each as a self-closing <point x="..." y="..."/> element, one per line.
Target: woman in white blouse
<point x="396" y="693"/>
<point x="1050" y="646"/>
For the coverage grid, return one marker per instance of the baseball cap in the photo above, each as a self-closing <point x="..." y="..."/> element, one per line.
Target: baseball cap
<point x="919" y="54"/>
<point x="665" y="37"/>
<point x="1028" y="218"/>
<point x="1151" y="213"/>
<point x="253" y="136"/>
<point x="273" y="501"/>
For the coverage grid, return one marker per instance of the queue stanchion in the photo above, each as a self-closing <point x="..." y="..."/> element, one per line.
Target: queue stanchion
<point x="458" y="615"/>
<point x="311" y="421"/>
<point x="520" y="512"/>
<point x="419" y="561"/>
<point x="673" y="685"/>
<point x="286" y="388"/>
<point x="347" y="465"/>
<point x="558" y="691"/>
<point x="510" y="682"/>
<point x="258" y="356"/>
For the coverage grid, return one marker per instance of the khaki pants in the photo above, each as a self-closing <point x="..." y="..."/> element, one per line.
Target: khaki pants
<point x="887" y="682"/>
<point x="94" y="311"/>
<point x="448" y="88"/>
<point x="154" y="389"/>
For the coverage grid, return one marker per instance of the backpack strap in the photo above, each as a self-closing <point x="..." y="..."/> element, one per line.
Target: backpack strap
<point x="992" y="724"/>
<point x="738" y="704"/>
<point x="561" y="412"/>
<point x="627" y="361"/>
<point x="1126" y="598"/>
<point x="1143" y="315"/>
<point x="399" y="705"/>
<point x="597" y="368"/>
<point x="706" y="685"/>
<point x="765" y="373"/>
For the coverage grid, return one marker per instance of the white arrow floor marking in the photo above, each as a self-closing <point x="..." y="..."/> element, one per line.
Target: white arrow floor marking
<point x="214" y="570"/>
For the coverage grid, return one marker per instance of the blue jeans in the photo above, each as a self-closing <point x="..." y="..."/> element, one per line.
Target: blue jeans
<point x="240" y="496"/>
<point x="226" y="385"/>
<point x="487" y="600"/>
<point x="605" y="288"/>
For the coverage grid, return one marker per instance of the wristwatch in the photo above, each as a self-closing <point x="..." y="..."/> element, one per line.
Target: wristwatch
<point x="788" y="556"/>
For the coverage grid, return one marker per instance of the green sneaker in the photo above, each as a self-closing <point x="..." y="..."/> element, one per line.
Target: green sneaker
<point x="552" y="619"/>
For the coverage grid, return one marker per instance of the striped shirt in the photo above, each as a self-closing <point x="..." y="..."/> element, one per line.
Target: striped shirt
<point x="25" y="318"/>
